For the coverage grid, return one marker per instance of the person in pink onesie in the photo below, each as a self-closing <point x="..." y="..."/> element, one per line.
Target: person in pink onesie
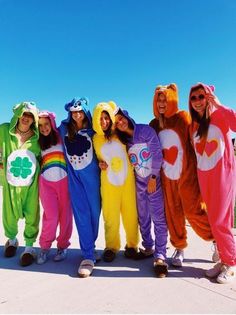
<point x="53" y="191"/>
<point x="210" y="134"/>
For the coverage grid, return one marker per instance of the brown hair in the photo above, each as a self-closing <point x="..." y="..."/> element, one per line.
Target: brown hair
<point x="46" y="142"/>
<point x="108" y="132"/>
<point x="72" y="127"/>
<point x="123" y="136"/>
<point x="203" y="121"/>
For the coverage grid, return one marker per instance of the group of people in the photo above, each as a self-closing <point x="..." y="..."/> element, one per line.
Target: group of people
<point x="179" y="167"/>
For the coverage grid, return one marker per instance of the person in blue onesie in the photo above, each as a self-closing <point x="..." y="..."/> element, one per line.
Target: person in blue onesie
<point x="83" y="177"/>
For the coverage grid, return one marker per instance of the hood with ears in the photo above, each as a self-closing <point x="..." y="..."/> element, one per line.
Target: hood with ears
<point x="51" y="116"/>
<point x="19" y="110"/>
<point x="109" y="107"/>
<point x="207" y="88"/>
<point x="171" y="93"/>
<point x="78" y="104"/>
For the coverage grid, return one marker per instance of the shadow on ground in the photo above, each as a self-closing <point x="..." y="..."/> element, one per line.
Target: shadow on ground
<point x="121" y="267"/>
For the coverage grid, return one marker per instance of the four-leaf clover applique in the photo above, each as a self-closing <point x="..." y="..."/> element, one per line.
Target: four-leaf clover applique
<point x="21" y="167"/>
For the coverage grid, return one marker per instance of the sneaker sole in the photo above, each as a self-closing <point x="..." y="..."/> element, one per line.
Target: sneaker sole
<point x="177" y="264"/>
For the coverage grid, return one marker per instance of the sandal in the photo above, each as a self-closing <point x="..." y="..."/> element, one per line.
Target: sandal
<point x="160" y="268"/>
<point x="85" y="268"/>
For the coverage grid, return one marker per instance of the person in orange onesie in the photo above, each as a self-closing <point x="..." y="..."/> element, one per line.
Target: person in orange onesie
<point x="179" y="175"/>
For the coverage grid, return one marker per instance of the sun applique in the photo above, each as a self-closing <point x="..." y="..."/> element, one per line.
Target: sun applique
<point x="21" y="167"/>
<point x="116" y="164"/>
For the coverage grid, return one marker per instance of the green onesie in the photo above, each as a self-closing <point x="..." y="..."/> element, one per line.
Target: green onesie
<point x="20" y="180"/>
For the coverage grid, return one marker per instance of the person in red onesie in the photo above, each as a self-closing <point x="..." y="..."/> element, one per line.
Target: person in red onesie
<point x="210" y="134"/>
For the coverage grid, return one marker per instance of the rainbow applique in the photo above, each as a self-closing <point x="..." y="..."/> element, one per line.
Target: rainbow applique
<point x="53" y="159"/>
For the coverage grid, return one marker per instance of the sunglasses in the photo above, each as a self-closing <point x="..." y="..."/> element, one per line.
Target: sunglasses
<point x="199" y="97"/>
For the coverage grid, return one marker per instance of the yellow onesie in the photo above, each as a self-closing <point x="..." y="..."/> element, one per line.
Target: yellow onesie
<point x="117" y="184"/>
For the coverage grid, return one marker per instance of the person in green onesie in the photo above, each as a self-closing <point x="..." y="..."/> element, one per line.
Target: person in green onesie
<point x="20" y="153"/>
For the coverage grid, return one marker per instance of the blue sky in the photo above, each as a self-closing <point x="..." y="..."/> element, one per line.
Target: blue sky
<point x="120" y="50"/>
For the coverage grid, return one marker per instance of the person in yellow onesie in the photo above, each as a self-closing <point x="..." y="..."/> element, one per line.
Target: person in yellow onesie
<point x="117" y="184"/>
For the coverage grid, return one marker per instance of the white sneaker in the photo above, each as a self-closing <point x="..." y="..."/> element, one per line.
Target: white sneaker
<point x="60" y="255"/>
<point x="215" y="271"/>
<point x="177" y="258"/>
<point x="227" y="275"/>
<point x="42" y="256"/>
<point x="215" y="255"/>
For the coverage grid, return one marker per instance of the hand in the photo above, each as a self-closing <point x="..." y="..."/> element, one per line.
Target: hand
<point x="152" y="185"/>
<point x="103" y="165"/>
<point x="212" y="100"/>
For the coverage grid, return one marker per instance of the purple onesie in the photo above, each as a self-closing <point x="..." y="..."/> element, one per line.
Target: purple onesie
<point x="145" y="154"/>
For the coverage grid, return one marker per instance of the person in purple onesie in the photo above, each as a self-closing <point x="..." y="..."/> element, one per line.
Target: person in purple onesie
<point x="145" y="154"/>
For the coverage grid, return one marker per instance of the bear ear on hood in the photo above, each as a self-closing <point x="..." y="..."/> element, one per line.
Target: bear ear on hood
<point x="84" y="100"/>
<point x="28" y="106"/>
<point x="45" y="113"/>
<point x="173" y="86"/>
<point x="113" y="106"/>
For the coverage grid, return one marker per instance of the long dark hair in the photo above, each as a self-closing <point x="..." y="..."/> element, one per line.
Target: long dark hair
<point x="108" y="133"/>
<point x="203" y="121"/>
<point x="46" y="142"/>
<point x="72" y="127"/>
<point x="123" y="136"/>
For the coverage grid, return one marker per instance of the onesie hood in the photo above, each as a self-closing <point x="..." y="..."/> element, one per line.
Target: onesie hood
<point x="126" y="115"/>
<point x="78" y="104"/>
<point x="19" y="110"/>
<point x="109" y="107"/>
<point x="207" y="88"/>
<point x="171" y="93"/>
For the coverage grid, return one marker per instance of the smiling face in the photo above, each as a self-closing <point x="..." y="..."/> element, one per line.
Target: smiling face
<point x="161" y="103"/>
<point x="25" y="121"/>
<point x="198" y="101"/>
<point x="122" y="123"/>
<point x="78" y="117"/>
<point x="105" y="121"/>
<point x="44" y="126"/>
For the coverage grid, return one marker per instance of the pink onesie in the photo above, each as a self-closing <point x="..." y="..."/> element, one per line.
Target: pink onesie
<point x="217" y="177"/>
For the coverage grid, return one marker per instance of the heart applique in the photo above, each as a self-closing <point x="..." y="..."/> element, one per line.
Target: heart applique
<point x="200" y="146"/>
<point x="211" y="147"/>
<point x="145" y="154"/>
<point x="206" y="146"/>
<point x="170" y="155"/>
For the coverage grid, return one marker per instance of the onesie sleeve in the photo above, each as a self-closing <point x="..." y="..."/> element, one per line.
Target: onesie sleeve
<point x="229" y="115"/>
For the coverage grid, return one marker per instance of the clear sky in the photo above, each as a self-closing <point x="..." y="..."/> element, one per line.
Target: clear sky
<point x="120" y="50"/>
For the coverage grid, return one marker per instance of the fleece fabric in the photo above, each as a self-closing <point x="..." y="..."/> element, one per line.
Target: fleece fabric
<point x="182" y="195"/>
<point x="83" y="177"/>
<point x="145" y="154"/>
<point x="217" y="175"/>
<point x="117" y="184"/>
<point x="54" y="193"/>
<point x="21" y="170"/>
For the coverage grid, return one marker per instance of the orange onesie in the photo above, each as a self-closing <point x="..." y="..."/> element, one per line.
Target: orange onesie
<point x="179" y="174"/>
